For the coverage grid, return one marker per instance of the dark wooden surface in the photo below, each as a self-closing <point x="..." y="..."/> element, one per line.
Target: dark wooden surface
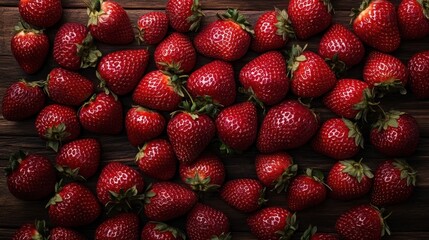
<point x="408" y="220"/>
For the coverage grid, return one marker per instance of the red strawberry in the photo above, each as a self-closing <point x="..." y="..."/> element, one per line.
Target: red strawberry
<point x="349" y="180"/>
<point x="68" y="88"/>
<point x="228" y="38"/>
<point x="143" y="125"/>
<point x="272" y="223"/>
<point x="109" y="22"/>
<point x="153" y="27"/>
<point x="82" y="154"/>
<point x="306" y="191"/>
<point x="74" y="47"/>
<point x="216" y="80"/>
<point x="31" y="231"/>
<point x="396" y="134"/>
<point x="204" y="222"/>
<point x="265" y="78"/>
<point x="124" y="226"/>
<point x="418" y="67"/>
<point x="30" y="47"/>
<point x="102" y="114"/>
<point x="312" y="234"/>
<point x="394" y="182"/>
<point x="157" y="160"/>
<point x="413" y="19"/>
<point x="246" y="195"/>
<point x="184" y="15"/>
<point x="40" y="13"/>
<point x="375" y="23"/>
<point x="309" y="17"/>
<point x="275" y="170"/>
<point x="166" y="200"/>
<point x="363" y="222"/>
<point x="287" y="125"/>
<point x="338" y="139"/>
<point x="73" y="205"/>
<point x="60" y="233"/>
<point x="311" y="76"/>
<point x="161" y="231"/>
<point x="30" y="176"/>
<point x="21" y="100"/>
<point x="121" y="71"/>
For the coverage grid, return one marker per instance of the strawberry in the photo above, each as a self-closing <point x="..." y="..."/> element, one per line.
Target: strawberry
<point x="109" y="22"/>
<point x="22" y="100"/>
<point x="310" y="75"/>
<point x="161" y="231"/>
<point x="124" y="226"/>
<point x="418" y="67"/>
<point x="152" y="27"/>
<point x="287" y="125"/>
<point x="375" y="23"/>
<point x="394" y="182"/>
<point x="40" y="13"/>
<point x="246" y="195"/>
<point x="31" y="231"/>
<point x="275" y="170"/>
<point x="338" y="139"/>
<point x="68" y="88"/>
<point x="207" y="173"/>
<point x="204" y="222"/>
<point x="272" y="223"/>
<point x="312" y="234"/>
<point x="362" y="222"/>
<point x="184" y="15"/>
<point x="143" y="125"/>
<point x="121" y="71"/>
<point x="74" y="47"/>
<point x="175" y="53"/>
<point x="56" y="124"/>
<point x="265" y="78"/>
<point x="413" y="19"/>
<point x="216" y="80"/>
<point x="30" y="176"/>
<point x="309" y="17"/>
<point x="156" y="159"/>
<point x="349" y="180"/>
<point x="166" y="200"/>
<point x="306" y="191"/>
<point x="30" y="47"/>
<point x="102" y="114"/>
<point x="227" y="38"/>
<point x="73" y="205"/>
<point x="396" y="134"/>
<point x="60" y="233"/>
<point x="81" y="156"/>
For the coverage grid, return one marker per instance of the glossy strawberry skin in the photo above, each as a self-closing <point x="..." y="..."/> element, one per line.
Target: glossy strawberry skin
<point x="413" y="24"/>
<point x="204" y="222"/>
<point x="40" y="13"/>
<point x="124" y="226"/>
<point x="304" y="192"/>
<point x="269" y="167"/>
<point x="266" y="37"/>
<point x="26" y="232"/>
<point x="418" y="67"/>
<point x="153" y="27"/>
<point x="243" y="194"/>
<point x="143" y="125"/>
<point x="151" y="232"/>
<point x="266" y="223"/>
<point x="178" y="12"/>
<point x="60" y="233"/>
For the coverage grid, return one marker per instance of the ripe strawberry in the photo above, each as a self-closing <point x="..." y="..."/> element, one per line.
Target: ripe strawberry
<point x="272" y="223"/>
<point x="40" y="13"/>
<point x="246" y="195"/>
<point x="21" y="100"/>
<point x="143" y="125"/>
<point x="184" y="15"/>
<point x="60" y="233"/>
<point x="30" y="47"/>
<point x="394" y="182"/>
<point x="68" y="88"/>
<point x="31" y="231"/>
<point x="413" y="19"/>
<point x="204" y="222"/>
<point x="166" y="200"/>
<point x="102" y="114"/>
<point x="418" y="67"/>
<point x="309" y="17"/>
<point x="157" y="160"/>
<point x="124" y="226"/>
<point x="161" y="231"/>
<point x="363" y="222"/>
<point x="30" y="176"/>
<point x="265" y="78"/>
<point x="306" y="191"/>
<point x="312" y="234"/>
<point x="349" y="180"/>
<point x="152" y="27"/>
<point x="227" y="38"/>
<point x="375" y="23"/>
<point x="311" y="76"/>
<point x="287" y="125"/>
<point x="109" y="22"/>
<point x="275" y="170"/>
<point x="74" y="47"/>
<point x="73" y="205"/>
<point x="338" y="139"/>
<point x="396" y="134"/>
<point x="121" y="71"/>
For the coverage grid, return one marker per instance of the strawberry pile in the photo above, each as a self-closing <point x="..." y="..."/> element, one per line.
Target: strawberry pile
<point x="182" y="118"/>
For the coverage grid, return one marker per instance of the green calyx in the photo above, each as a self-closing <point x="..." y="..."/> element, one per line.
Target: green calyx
<point x="56" y="198"/>
<point x="283" y="24"/>
<point x="389" y="119"/>
<point x="389" y="86"/>
<point x="235" y="16"/>
<point x="328" y="5"/>
<point x="365" y="105"/>
<point x="148" y="194"/>
<point x="223" y="236"/>
<point x="225" y="149"/>
<point x="295" y="58"/>
<point x="41" y="230"/>
<point x="356" y="169"/>
<point x="425" y="6"/>
<point x="354" y="132"/>
<point x="281" y="183"/>
<point x="26" y="28"/>
<point x="88" y="52"/>
<point x="385" y="228"/>
<point x="124" y="200"/>
<point x="162" y="227"/>
<point x="198" y="183"/>
<point x="355" y="12"/>
<point x="196" y="17"/>
<point x="309" y="232"/>
<point x="14" y="160"/>
<point x="252" y="97"/>
<point x="262" y="200"/>
<point x="315" y="174"/>
<point x="338" y="67"/>
<point x="289" y="229"/>
<point x="94" y="11"/>
<point x="407" y="172"/>
<point x="69" y="173"/>
<point x="55" y="135"/>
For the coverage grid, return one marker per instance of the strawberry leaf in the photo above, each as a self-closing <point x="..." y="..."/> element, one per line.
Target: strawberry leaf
<point x="283" y="24"/>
